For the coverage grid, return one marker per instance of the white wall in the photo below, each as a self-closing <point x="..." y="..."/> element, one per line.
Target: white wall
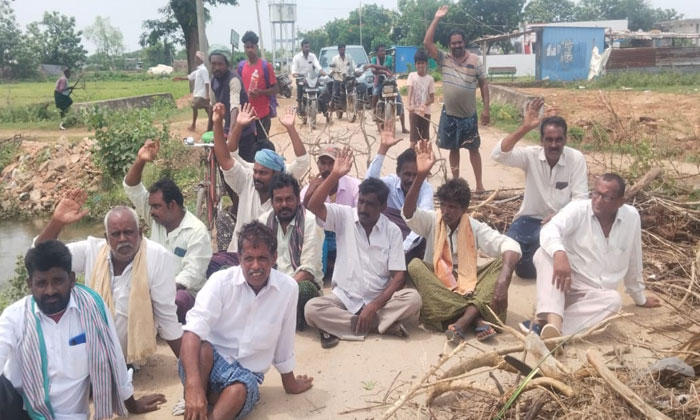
<point x="524" y="63"/>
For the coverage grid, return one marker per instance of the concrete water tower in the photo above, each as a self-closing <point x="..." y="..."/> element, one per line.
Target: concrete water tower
<point x="283" y="17"/>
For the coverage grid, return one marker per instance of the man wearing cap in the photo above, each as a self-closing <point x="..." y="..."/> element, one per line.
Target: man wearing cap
<point x="345" y="192"/>
<point x="227" y="88"/>
<point x="200" y="93"/>
<point x="253" y="184"/>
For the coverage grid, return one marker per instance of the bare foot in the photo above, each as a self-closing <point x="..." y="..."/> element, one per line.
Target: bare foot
<point x="404" y="131"/>
<point x="479" y="188"/>
<point x="191" y="128"/>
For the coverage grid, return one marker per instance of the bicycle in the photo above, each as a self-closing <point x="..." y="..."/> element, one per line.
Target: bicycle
<point x="210" y="191"/>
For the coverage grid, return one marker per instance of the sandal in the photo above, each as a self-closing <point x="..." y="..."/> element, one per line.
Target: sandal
<point x="484" y="329"/>
<point x="454" y="335"/>
<point x="328" y="340"/>
<point x="527" y="326"/>
<point x="550" y="331"/>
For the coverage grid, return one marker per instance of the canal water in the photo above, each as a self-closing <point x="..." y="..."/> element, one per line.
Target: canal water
<point x="16" y="238"/>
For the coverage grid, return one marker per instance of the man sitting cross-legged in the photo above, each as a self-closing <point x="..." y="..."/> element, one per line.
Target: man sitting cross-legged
<point x="252" y="184"/>
<point x="299" y="240"/>
<point x="242" y="321"/>
<point x="587" y="250"/>
<point x="454" y="290"/>
<point x="370" y="269"/>
<point x="554" y="175"/>
<point x="134" y="276"/>
<point x="173" y="226"/>
<point x="58" y="344"/>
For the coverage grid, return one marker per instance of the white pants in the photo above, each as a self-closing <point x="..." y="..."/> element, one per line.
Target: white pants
<point x="582" y="306"/>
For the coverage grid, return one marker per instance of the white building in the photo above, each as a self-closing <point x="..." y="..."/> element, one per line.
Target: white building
<point x="682" y="26"/>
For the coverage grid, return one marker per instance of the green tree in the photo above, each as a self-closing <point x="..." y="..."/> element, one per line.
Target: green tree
<point x="17" y="59"/>
<point x="318" y="38"/>
<point x="108" y="40"/>
<point x="546" y="11"/>
<point x="639" y="12"/>
<point x="179" y="24"/>
<point x="56" y="40"/>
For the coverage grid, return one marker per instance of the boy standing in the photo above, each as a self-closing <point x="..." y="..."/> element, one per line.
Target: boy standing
<point x="421" y="93"/>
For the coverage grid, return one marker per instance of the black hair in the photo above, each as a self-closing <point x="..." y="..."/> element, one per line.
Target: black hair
<point x="341" y="46"/>
<point x="420" y="56"/>
<point x="305" y="41"/>
<point x="380" y="46"/>
<point x="618" y="180"/>
<point x="375" y="186"/>
<point x="457" y="32"/>
<point x="407" y="156"/>
<point x="66" y="72"/>
<point x="256" y="233"/>
<point x="554" y="120"/>
<point x="455" y="190"/>
<point x="250" y="37"/>
<point x="282" y="180"/>
<point x="262" y="145"/>
<point x="171" y="192"/>
<point x="46" y="256"/>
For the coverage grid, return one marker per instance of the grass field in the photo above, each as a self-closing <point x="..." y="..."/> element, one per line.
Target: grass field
<point x="26" y="93"/>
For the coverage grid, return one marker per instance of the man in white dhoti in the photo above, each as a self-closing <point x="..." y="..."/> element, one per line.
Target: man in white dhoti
<point x="587" y="249"/>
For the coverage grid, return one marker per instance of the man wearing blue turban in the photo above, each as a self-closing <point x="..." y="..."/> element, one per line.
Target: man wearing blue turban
<point x="252" y="181"/>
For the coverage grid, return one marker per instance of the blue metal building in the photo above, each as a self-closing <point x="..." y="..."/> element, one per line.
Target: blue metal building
<point x="564" y="53"/>
<point x="402" y="57"/>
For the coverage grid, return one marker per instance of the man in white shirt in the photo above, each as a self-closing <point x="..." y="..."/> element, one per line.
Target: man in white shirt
<point x="252" y="184"/>
<point x="299" y="240"/>
<point x="399" y="184"/>
<point x="117" y="262"/>
<point x="456" y="293"/>
<point x="587" y="249"/>
<point x="370" y="269"/>
<point x="243" y="321"/>
<point x="200" y="93"/>
<point x="59" y="343"/>
<point x="302" y="63"/>
<point x="341" y="64"/>
<point x="554" y="175"/>
<point x="163" y="209"/>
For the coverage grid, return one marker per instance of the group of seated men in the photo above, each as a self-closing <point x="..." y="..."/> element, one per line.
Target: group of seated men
<point x="396" y="257"/>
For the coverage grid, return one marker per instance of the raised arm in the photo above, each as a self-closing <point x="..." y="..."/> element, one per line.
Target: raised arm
<point x="147" y="153"/>
<point x="429" y="40"/>
<point x="245" y="117"/>
<point x="69" y="210"/>
<point x="387" y="142"/>
<point x="531" y="121"/>
<point x="287" y="120"/>
<point x="425" y="159"/>
<point x="341" y="167"/>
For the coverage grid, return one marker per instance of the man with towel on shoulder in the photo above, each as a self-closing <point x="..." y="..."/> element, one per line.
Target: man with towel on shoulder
<point x="456" y="293"/>
<point x="134" y="276"/>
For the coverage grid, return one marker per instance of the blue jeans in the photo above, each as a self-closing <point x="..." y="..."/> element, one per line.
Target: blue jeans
<point x="526" y="231"/>
<point x="329" y="249"/>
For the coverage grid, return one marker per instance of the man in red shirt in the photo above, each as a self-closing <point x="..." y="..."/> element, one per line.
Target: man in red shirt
<point x="260" y="89"/>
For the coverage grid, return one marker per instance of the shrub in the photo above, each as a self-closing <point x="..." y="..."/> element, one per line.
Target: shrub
<point x="16" y="287"/>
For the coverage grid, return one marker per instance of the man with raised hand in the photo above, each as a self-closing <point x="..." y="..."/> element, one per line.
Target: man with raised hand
<point x="134" y="276"/>
<point x="243" y="322"/>
<point x="299" y="240"/>
<point x="462" y="72"/>
<point x="398" y="185"/>
<point x="456" y="293"/>
<point x="59" y="344"/>
<point x="587" y="249"/>
<point x="162" y="207"/>
<point x="252" y="184"/>
<point x="554" y="175"/>
<point x="370" y="270"/>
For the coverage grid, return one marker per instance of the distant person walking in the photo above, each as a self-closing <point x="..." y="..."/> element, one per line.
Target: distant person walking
<point x="261" y="84"/>
<point x="61" y="95"/>
<point x="200" y="94"/>
<point x="461" y="72"/>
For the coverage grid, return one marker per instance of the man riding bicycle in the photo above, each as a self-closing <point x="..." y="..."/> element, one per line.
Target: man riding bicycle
<point x="303" y="63"/>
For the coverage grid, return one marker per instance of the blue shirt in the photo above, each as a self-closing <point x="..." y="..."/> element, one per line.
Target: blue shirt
<point x="397" y="198"/>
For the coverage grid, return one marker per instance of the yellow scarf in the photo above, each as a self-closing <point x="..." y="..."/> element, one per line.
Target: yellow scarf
<point x="466" y="256"/>
<point x="141" y="329"/>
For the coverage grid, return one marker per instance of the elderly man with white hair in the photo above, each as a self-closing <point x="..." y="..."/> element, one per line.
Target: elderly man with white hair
<point x="134" y="275"/>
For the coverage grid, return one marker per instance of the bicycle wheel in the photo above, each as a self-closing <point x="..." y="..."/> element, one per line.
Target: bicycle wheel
<point x="211" y="190"/>
<point x="201" y="200"/>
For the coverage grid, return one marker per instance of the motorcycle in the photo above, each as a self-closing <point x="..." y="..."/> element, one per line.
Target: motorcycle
<point x="346" y="101"/>
<point x="387" y="105"/>
<point x="313" y="86"/>
<point x="285" y="85"/>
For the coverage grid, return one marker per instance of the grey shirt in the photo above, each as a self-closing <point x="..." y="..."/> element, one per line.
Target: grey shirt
<point x="459" y="82"/>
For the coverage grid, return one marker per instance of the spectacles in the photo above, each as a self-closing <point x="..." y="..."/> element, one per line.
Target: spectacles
<point x="606" y="198"/>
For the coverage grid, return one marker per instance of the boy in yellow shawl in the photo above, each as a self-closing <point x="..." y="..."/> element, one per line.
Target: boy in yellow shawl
<point x="456" y="293"/>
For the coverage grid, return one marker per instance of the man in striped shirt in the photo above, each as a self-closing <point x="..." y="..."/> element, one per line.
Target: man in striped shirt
<point x="461" y="73"/>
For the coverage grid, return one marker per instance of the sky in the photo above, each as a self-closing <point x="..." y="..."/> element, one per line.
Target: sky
<point x="128" y="15"/>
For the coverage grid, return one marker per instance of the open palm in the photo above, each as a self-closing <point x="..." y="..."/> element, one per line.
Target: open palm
<point x="343" y="162"/>
<point x="441" y="12"/>
<point x="288" y="118"/>
<point x="70" y="208"/>
<point x="388" y="138"/>
<point x="246" y="115"/>
<point x="149" y="151"/>
<point x="425" y="158"/>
